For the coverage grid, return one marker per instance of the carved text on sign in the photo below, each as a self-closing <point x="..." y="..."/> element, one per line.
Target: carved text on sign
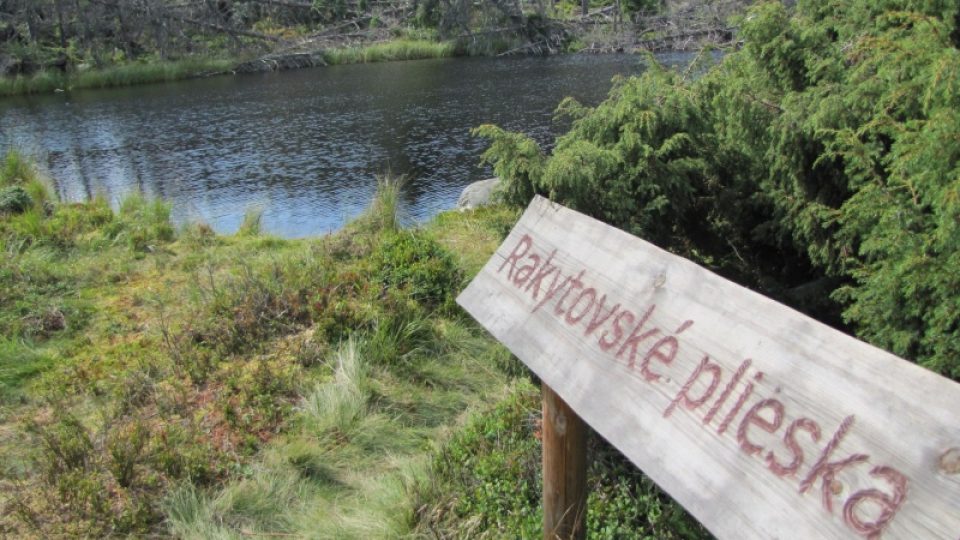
<point x="723" y="400"/>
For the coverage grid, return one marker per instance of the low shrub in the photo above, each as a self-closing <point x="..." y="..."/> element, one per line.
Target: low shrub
<point x="489" y="474"/>
<point x="487" y="483"/>
<point x="419" y="266"/>
<point x="14" y="200"/>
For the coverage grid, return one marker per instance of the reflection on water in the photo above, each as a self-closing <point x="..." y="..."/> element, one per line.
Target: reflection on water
<point x="303" y="146"/>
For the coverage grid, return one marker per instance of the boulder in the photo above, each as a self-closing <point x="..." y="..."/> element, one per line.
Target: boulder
<point x="477" y="194"/>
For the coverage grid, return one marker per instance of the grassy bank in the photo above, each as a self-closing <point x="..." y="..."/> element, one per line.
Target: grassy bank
<point x="121" y="75"/>
<point x="403" y="49"/>
<point x="166" y="71"/>
<point x="162" y="381"/>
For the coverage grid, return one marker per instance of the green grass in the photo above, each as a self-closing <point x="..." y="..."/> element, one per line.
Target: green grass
<point x="337" y="408"/>
<point x="19" y="363"/>
<point x="172" y="70"/>
<point x="360" y="448"/>
<point x="162" y="382"/>
<point x="402" y="49"/>
<point x="150" y="358"/>
<point x="111" y="76"/>
<point x="252" y="222"/>
<point x="485" y="483"/>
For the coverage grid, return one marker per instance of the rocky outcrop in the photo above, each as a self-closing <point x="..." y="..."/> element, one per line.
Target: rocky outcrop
<point x="478" y="194"/>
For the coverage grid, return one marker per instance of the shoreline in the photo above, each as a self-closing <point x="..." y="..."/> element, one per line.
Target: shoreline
<point x="135" y="74"/>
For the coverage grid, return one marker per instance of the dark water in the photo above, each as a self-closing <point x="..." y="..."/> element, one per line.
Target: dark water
<point x="303" y="146"/>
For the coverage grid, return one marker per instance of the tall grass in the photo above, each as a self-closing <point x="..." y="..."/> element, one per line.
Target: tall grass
<point x="403" y="49"/>
<point x="16" y="171"/>
<point x="258" y="504"/>
<point x="383" y="213"/>
<point x="140" y="223"/>
<point x="362" y="449"/>
<point x="228" y="337"/>
<point x="122" y="75"/>
<point x="252" y="223"/>
<point x="337" y="407"/>
<point x="46" y="81"/>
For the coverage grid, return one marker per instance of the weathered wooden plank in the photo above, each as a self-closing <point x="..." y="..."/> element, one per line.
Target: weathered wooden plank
<point x="564" y="470"/>
<point x="762" y="422"/>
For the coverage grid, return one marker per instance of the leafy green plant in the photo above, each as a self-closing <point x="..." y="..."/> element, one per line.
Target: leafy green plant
<point x="487" y="481"/>
<point x="418" y="265"/>
<point x="14" y="200"/>
<point x="490" y="471"/>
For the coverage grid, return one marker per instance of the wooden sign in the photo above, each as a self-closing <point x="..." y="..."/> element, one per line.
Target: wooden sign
<point x="760" y="421"/>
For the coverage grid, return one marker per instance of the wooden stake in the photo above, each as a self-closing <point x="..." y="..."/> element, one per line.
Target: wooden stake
<point x="564" y="470"/>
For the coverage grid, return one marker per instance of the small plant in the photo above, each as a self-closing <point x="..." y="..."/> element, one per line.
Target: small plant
<point x="488" y="475"/>
<point x="16" y="169"/>
<point x="252" y="222"/>
<point x="125" y="447"/>
<point x="418" y="265"/>
<point x="14" y="200"/>
<point x="336" y="408"/>
<point x="141" y="224"/>
<point x="383" y="213"/>
<point x="259" y="395"/>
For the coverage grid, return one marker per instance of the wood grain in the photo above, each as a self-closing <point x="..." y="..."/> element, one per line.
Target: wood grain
<point x="760" y="421"/>
<point x="564" y="470"/>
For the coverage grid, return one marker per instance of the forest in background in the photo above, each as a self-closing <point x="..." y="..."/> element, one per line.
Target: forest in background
<point x="56" y="38"/>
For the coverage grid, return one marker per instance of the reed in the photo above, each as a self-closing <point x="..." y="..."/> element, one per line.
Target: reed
<point x="122" y="75"/>
<point x="403" y="49"/>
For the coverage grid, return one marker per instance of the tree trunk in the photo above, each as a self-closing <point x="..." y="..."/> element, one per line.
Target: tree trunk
<point x="60" y="26"/>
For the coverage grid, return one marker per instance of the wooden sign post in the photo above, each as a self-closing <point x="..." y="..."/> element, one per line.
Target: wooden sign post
<point x="564" y="470"/>
<point x="760" y="421"/>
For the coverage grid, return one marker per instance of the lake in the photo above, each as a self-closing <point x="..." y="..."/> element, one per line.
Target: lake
<point x="304" y="147"/>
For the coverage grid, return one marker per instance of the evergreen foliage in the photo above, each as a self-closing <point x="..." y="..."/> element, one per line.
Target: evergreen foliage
<point x="818" y="164"/>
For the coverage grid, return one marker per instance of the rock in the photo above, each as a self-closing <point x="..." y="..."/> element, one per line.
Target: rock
<point x="11" y="66"/>
<point x="477" y="194"/>
<point x="7" y="65"/>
